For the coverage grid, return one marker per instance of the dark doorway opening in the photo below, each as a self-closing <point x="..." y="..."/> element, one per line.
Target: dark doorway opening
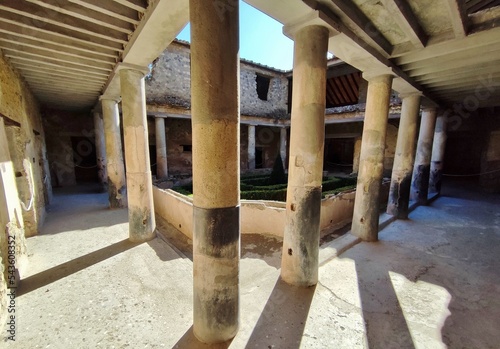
<point x="259" y="157"/>
<point x="339" y="154"/>
<point x="262" y="86"/>
<point x="84" y="157"/>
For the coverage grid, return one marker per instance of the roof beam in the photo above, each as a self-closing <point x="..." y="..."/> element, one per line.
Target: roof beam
<point x="58" y="59"/>
<point x="458" y="16"/>
<point x="41" y="14"/>
<point x="39" y="36"/>
<point x="60" y="80"/>
<point x="363" y="23"/>
<point x="85" y="14"/>
<point x="27" y="46"/>
<point x="40" y="69"/>
<point x="137" y="5"/>
<point x="33" y="24"/>
<point x="408" y="22"/>
<point x="110" y="9"/>
<point x="60" y="67"/>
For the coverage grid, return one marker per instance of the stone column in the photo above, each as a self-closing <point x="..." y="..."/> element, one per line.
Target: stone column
<point x="251" y="147"/>
<point x="299" y="263"/>
<point x="371" y="160"/>
<point x="283" y="145"/>
<point x="161" y="149"/>
<point x="438" y="148"/>
<point x="399" y="195"/>
<point x="141" y="213"/>
<point x="100" y="149"/>
<point x="117" y="188"/>
<point x="421" y="170"/>
<point x="216" y="168"/>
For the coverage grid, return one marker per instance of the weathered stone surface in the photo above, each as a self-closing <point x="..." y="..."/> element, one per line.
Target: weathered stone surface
<point x="169" y="83"/>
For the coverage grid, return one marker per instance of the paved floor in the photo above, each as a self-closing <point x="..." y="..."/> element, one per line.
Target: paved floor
<point x="430" y="282"/>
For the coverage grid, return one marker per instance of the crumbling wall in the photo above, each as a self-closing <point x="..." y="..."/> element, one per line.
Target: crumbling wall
<point x="22" y="174"/>
<point x="27" y="145"/>
<point x="490" y="165"/>
<point x="170" y="84"/>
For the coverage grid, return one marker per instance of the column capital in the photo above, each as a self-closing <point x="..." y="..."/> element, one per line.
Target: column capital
<point x="313" y="17"/>
<point x="127" y="66"/>
<point x="105" y="97"/>
<point x="410" y="94"/>
<point x="378" y="73"/>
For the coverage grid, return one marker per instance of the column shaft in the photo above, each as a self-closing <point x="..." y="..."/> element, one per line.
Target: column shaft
<point x="438" y="148"/>
<point x="139" y="182"/>
<point x="283" y="145"/>
<point x="117" y="188"/>
<point x="161" y="149"/>
<point x="371" y="161"/>
<point x="216" y="169"/>
<point x="251" y="147"/>
<point x="299" y="263"/>
<point x="399" y="195"/>
<point x="100" y="147"/>
<point x="421" y="170"/>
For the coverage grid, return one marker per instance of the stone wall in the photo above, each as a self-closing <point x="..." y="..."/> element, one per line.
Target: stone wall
<point x="169" y="84"/>
<point x="23" y="173"/>
<point x="26" y="139"/>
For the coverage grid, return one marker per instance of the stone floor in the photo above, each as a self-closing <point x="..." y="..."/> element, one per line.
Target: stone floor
<point x="430" y="282"/>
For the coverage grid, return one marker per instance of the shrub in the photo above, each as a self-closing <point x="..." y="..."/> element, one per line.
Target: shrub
<point x="278" y="175"/>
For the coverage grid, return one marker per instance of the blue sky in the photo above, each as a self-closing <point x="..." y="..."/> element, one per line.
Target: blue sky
<point x="261" y="39"/>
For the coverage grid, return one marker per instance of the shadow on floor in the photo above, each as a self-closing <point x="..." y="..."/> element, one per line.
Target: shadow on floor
<point x="281" y="323"/>
<point x="189" y="341"/>
<point x="61" y="271"/>
<point x="385" y="322"/>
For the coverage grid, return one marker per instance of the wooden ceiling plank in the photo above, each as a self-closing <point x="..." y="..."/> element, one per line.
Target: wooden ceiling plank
<point x="467" y="63"/>
<point x="110" y="8"/>
<point x="57" y="66"/>
<point x="363" y="23"/>
<point x="9" y="52"/>
<point x="340" y="89"/>
<point x="59" y="31"/>
<point x="45" y="17"/>
<point x="347" y="86"/>
<point x="137" y="5"/>
<point x="407" y="21"/>
<point x="473" y="41"/>
<point x="36" y="68"/>
<point x="86" y="14"/>
<point x="44" y="38"/>
<point x="333" y="90"/>
<point x="56" y="80"/>
<point x="12" y="42"/>
<point x="452" y="57"/>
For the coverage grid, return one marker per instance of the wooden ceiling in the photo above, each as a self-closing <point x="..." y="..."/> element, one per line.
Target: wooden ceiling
<point x="66" y="49"/>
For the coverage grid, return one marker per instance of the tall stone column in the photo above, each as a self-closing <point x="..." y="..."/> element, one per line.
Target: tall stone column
<point x="251" y="147"/>
<point x="100" y="148"/>
<point x="216" y="168"/>
<point x="438" y="148"/>
<point x="399" y="194"/>
<point x="299" y="262"/>
<point x="161" y="149"/>
<point x="117" y="188"/>
<point x="421" y="170"/>
<point x="283" y="145"/>
<point x="371" y="161"/>
<point x="141" y="213"/>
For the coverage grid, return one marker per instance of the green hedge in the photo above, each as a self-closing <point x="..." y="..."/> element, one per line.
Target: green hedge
<point x="258" y="188"/>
